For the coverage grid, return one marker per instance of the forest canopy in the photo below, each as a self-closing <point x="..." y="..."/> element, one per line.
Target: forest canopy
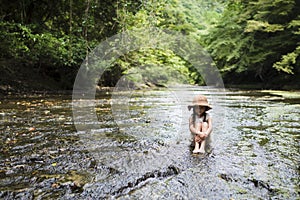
<point x="252" y="42"/>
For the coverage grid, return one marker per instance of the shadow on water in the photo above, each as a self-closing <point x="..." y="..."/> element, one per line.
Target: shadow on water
<point x="147" y="154"/>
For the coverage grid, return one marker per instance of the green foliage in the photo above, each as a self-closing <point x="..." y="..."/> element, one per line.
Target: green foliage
<point x="256" y="39"/>
<point x="188" y="17"/>
<point x="155" y="66"/>
<point x="57" y="36"/>
<point x="288" y="61"/>
<point x="253" y="25"/>
<point x="226" y="49"/>
<point x="53" y="37"/>
<point x="23" y="45"/>
<point x="252" y="36"/>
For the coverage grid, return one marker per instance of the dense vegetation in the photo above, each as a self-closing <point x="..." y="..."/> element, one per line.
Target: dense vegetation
<point x="43" y="43"/>
<point x="258" y="41"/>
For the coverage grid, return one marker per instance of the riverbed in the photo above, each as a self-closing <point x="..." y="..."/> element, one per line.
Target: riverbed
<point x="141" y="150"/>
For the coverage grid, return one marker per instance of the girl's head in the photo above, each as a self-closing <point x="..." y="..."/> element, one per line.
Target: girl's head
<point x="199" y="110"/>
<point x="200" y="105"/>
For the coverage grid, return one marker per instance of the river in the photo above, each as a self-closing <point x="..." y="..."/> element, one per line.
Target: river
<point x="143" y="151"/>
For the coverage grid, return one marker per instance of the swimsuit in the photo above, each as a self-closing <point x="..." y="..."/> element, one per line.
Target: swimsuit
<point x="201" y="119"/>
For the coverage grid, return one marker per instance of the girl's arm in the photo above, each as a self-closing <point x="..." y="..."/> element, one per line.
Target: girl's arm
<point x="192" y="127"/>
<point x="209" y="130"/>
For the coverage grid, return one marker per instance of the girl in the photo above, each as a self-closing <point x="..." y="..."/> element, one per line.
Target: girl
<point x="200" y="123"/>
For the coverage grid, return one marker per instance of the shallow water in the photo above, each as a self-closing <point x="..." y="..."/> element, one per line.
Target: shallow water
<point x="141" y="150"/>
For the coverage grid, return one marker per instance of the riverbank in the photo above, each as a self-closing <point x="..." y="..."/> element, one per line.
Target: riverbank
<point x="21" y="79"/>
<point x="24" y="80"/>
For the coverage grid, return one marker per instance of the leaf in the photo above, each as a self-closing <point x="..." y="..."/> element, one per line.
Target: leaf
<point x="253" y="25"/>
<point x="287" y="61"/>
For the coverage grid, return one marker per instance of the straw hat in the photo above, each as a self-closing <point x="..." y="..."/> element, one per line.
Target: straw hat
<point x="200" y="100"/>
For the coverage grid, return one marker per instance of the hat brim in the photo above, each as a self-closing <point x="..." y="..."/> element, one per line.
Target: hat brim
<point x="206" y="105"/>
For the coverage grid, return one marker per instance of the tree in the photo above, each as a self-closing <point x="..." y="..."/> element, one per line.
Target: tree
<point x="257" y="39"/>
<point x="186" y="17"/>
<point x="52" y="38"/>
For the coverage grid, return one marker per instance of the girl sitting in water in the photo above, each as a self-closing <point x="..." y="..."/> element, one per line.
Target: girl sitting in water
<point x="200" y="123"/>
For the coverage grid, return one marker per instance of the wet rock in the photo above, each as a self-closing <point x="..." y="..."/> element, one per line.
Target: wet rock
<point x="73" y="186"/>
<point x="37" y="158"/>
<point x="6" y="195"/>
<point x="261" y="184"/>
<point x="225" y="177"/>
<point x="47" y="183"/>
<point x="24" y="195"/>
<point x="158" y="174"/>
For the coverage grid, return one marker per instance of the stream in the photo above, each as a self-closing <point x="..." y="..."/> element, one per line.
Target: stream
<point x="145" y="153"/>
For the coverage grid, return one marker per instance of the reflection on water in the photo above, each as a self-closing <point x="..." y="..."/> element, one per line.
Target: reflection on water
<point x="141" y="150"/>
